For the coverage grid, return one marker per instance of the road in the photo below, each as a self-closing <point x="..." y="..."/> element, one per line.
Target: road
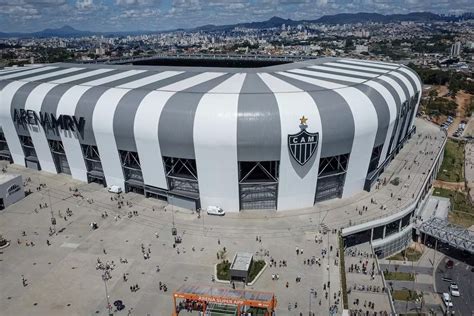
<point x="462" y="275"/>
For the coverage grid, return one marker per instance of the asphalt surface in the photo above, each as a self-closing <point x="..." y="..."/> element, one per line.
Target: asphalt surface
<point x="462" y="275"/>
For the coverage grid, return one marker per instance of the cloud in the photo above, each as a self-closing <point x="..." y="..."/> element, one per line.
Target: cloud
<point x="27" y="15"/>
<point x="137" y="2"/>
<point x="84" y="4"/>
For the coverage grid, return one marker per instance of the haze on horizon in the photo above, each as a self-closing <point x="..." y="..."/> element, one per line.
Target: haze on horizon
<point x="153" y="15"/>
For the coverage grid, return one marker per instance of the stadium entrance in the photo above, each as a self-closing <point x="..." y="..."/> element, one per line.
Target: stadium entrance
<point x="213" y="301"/>
<point x="59" y="156"/>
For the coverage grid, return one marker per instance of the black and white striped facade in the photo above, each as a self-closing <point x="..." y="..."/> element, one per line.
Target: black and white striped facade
<point x="212" y="136"/>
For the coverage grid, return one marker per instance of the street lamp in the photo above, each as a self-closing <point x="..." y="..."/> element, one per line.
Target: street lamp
<point x="53" y="221"/>
<point x="329" y="272"/>
<point x="105" y="278"/>
<point x="311" y="293"/>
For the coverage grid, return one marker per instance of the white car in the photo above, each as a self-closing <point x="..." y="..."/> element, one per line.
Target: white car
<point x="115" y="189"/>
<point x="454" y="289"/>
<point x="447" y="300"/>
<point x="215" y="210"/>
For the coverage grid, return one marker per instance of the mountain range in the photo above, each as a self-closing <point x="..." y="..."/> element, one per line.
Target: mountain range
<point x="342" y="18"/>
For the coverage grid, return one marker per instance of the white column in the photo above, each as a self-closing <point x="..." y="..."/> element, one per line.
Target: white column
<point x="296" y="188"/>
<point x="365" y="130"/>
<point x="37" y="134"/>
<point x="67" y="105"/>
<point x="6" y="121"/>
<point x="146" y="123"/>
<point x="103" y="125"/>
<point x="215" y="145"/>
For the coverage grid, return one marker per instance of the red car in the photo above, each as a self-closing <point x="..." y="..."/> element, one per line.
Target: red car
<point x="449" y="264"/>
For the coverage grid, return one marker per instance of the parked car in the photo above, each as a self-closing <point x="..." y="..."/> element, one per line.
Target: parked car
<point x="449" y="264"/>
<point x="115" y="189"/>
<point x="447" y="300"/>
<point x="215" y="210"/>
<point x="454" y="289"/>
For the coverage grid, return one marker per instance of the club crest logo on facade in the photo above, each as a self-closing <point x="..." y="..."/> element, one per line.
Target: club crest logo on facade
<point x="303" y="144"/>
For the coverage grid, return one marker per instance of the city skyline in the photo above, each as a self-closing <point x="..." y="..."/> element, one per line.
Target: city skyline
<point x="153" y="15"/>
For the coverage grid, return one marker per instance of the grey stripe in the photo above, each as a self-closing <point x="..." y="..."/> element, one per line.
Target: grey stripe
<point x="398" y="103"/>
<point x="46" y="71"/>
<point x="86" y="104"/>
<point x="129" y="79"/>
<point x="61" y="76"/>
<point x="413" y="84"/>
<point x="258" y="122"/>
<point x="17" y="71"/>
<point x="399" y="81"/>
<point x="175" y="129"/>
<point x="362" y="77"/>
<point x="52" y="98"/>
<point x="411" y="105"/>
<point x="368" y="64"/>
<point x="336" y="118"/>
<point x="399" y="119"/>
<point x="124" y="116"/>
<point x="19" y="102"/>
<point x="3" y="84"/>
<point x="402" y="116"/>
<point x="416" y="90"/>
<point x="401" y="84"/>
<point x="85" y="108"/>
<point x="378" y="101"/>
<point x="370" y="71"/>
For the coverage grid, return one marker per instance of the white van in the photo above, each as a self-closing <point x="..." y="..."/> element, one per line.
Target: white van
<point x="447" y="300"/>
<point x="215" y="210"/>
<point x="115" y="189"/>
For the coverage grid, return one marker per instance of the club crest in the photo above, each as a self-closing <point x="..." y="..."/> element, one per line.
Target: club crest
<point x="302" y="145"/>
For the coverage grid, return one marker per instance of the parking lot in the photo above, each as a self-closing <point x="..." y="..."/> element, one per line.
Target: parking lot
<point x="461" y="274"/>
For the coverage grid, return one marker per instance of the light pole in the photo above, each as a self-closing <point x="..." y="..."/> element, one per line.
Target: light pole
<point x="105" y="278"/>
<point x="53" y="221"/>
<point x="329" y="276"/>
<point x="311" y="293"/>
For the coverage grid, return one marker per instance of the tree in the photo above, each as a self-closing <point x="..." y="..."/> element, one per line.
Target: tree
<point x="433" y="94"/>
<point x="454" y="85"/>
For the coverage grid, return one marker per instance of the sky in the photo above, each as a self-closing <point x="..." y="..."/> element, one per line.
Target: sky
<point x="132" y="15"/>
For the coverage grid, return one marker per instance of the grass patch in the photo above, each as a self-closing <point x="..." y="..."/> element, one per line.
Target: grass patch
<point x="465" y="220"/>
<point x="410" y="254"/>
<point x="405" y="295"/>
<point x="342" y="270"/>
<point x="463" y="212"/>
<point x="223" y="270"/>
<point x="255" y="268"/>
<point x="437" y="106"/>
<point x="399" y="276"/>
<point x="452" y="168"/>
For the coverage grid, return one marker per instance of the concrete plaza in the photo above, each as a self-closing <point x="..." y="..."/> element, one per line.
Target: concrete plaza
<point x="62" y="278"/>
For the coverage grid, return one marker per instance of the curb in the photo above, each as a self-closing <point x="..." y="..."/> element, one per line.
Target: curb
<point x="435" y="267"/>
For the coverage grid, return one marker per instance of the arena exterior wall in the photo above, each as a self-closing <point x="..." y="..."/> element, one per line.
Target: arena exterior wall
<point x="279" y="137"/>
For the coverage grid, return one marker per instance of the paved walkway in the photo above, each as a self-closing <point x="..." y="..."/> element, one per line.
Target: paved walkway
<point x="469" y="168"/>
<point x="424" y="280"/>
<point x="364" y="282"/>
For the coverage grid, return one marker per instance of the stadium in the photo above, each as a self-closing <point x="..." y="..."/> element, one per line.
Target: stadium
<point x="279" y="136"/>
